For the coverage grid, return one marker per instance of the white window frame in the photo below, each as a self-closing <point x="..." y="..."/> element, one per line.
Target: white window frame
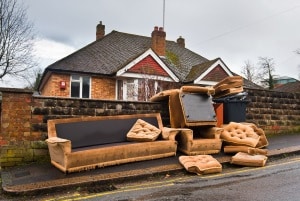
<point x="80" y="81"/>
<point x="135" y="89"/>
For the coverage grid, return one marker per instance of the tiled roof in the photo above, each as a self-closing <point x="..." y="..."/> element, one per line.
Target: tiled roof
<point x="109" y="54"/>
<point x="199" y="69"/>
<point x="292" y="87"/>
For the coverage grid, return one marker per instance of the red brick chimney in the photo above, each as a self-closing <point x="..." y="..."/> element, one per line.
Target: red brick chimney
<point x="100" y="31"/>
<point x="158" y="41"/>
<point x="181" y="42"/>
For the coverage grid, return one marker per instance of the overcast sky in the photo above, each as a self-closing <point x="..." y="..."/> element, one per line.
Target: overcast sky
<point x="234" y="30"/>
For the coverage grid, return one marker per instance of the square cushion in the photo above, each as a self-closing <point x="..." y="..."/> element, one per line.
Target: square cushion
<point x="200" y="164"/>
<point x="246" y="159"/>
<point x="142" y="131"/>
<point x="263" y="141"/>
<point x="240" y="134"/>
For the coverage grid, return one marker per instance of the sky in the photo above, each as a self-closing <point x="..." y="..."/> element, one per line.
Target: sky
<point x="234" y="30"/>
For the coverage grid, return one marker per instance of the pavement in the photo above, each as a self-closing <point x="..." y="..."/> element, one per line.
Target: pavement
<point x="37" y="178"/>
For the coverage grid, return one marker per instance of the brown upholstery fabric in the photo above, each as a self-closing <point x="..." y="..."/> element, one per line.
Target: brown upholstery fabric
<point x="200" y="164"/>
<point x="198" y="89"/>
<point x="177" y="110"/>
<point x="210" y="132"/>
<point x="239" y="134"/>
<point x="163" y="95"/>
<point x="189" y="145"/>
<point x="142" y="131"/>
<point x="228" y="86"/>
<point x="263" y="141"/>
<point x="245" y="149"/>
<point x="71" y="160"/>
<point x="246" y="159"/>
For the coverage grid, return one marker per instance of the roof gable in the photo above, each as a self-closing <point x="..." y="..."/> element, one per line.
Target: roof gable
<point x="147" y="64"/>
<point x="217" y="74"/>
<point x="210" y="73"/>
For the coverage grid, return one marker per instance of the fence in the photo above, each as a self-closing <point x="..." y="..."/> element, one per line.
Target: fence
<point x="24" y="118"/>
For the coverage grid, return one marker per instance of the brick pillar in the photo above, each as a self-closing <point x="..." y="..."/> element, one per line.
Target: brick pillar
<point x="16" y="115"/>
<point x="100" y="31"/>
<point x="181" y="42"/>
<point x="158" y="41"/>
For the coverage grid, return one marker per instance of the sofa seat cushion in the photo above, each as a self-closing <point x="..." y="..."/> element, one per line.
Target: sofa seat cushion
<point x="119" y="153"/>
<point x="200" y="164"/>
<point x="143" y="131"/>
<point x="246" y="159"/>
<point x="239" y="134"/>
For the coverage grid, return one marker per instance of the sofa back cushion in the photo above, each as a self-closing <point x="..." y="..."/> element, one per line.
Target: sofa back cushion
<point x="91" y="131"/>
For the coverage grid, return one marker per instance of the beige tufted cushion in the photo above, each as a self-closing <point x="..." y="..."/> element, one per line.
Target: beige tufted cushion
<point x="263" y="142"/>
<point x="246" y="159"/>
<point x="200" y="164"/>
<point x="239" y="134"/>
<point x="142" y="131"/>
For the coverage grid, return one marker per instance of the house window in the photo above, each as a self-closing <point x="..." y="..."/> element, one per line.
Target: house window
<point x="80" y="86"/>
<point x="127" y="89"/>
<point x="131" y="89"/>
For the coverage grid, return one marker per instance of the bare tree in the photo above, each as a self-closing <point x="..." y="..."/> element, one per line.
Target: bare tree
<point x="267" y="66"/>
<point x="251" y="72"/>
<point x="16" y="40"/>
<point x="33" y="78"/>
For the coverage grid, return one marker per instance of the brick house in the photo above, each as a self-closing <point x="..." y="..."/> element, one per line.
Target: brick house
<point x="122" y="66"/>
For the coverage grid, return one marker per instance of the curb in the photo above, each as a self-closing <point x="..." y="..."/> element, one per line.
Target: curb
<point x="38" y="187"/>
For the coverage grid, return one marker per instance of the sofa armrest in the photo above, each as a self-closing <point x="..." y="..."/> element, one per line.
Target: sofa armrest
<point x="58" y="146"/>
<point x="212" y="133"/>
<point x="171" y="133"/>
<point x="58" y="149"/>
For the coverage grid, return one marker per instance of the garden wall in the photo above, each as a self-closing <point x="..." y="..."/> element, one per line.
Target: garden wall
<point x="275" y="112"/>
<point x="24" y="118"/>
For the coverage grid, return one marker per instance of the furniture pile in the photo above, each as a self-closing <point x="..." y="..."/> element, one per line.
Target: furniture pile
<point x="77" y="144"/>
<point x="247" y="141"/>
<point x="193" y="125"/>
<point x="193" y="119"/>
<point x="228" y="86"/>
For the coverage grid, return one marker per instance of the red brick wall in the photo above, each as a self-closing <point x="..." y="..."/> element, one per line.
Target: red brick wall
<point x="18" y="143"/>
<point x="101" y="88"/>
<point x="52" y="87"/>
<point x="148" y="66"/>
<point x="217" y="74"/>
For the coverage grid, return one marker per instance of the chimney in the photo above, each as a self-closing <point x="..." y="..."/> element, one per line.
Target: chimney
<point x="100" y="31"/>
<point x="158" y="41"/>
<point x="181" y="42"/>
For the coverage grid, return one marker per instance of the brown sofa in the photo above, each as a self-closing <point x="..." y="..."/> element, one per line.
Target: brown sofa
<point x="77" y="144"/>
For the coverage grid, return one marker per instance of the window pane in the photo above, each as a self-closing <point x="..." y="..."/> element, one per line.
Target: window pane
<point x="75" y="77"/>
<point x="120" y="89"/>
<point x="85" y="87"/>
<point x="75" y="89"/>
<point x="132" y="90"/>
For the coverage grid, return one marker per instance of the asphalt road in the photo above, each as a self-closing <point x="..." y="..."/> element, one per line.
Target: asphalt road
<point x="278" y="180"/>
